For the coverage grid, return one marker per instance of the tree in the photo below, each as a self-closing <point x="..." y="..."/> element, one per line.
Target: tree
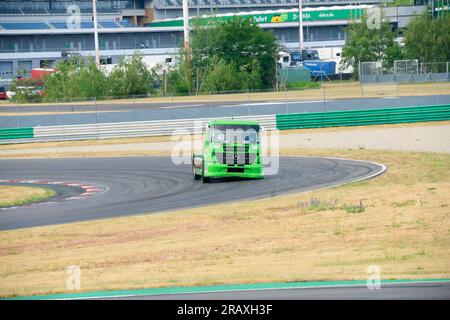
<point x="75" y="78"/>
<point x="223" y="77"/>
<point x="428" y="39"/>
<point x="25" y="90"/>
<point x="130" y="76"/>
<point x="369" y="44"/>
<point x="235" y="48"/>
<point x="244" y="43"/>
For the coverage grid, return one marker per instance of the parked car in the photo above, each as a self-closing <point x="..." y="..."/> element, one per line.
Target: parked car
<point x="3" y="95"/>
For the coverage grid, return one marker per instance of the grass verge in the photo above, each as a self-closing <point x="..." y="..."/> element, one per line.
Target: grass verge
<point x="16" y="195"/>
<point x="404" y="228"/>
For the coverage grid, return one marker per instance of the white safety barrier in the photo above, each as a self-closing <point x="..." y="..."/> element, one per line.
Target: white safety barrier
<point x="130" y="129"/>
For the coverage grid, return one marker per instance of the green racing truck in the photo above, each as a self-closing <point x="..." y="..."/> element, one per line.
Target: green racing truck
<point x="231" y="148"/>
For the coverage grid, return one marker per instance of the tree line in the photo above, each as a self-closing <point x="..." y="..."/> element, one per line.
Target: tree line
<point x="236" y="55"/>
<point x="425" y="38"/>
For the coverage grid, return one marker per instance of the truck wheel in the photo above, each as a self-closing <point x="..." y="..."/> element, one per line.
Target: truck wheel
<point x="196" y="176"/>
<point x="205" y="179"/>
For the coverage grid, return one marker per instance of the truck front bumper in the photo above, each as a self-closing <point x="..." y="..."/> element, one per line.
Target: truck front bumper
<point x="224" y="170"/>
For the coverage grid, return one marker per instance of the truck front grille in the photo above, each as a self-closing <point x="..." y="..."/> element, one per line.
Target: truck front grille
<point x="235" y="155"/>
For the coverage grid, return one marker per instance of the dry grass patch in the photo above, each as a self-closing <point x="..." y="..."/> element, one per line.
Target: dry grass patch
<point x="86" y="148"/>
<point x="371" y="127"/>
<point x="16" y="195"/>
<point x="405" y="229"/>
<point x="96" y="142"/>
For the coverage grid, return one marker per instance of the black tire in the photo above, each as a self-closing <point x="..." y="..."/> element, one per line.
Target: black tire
<point x="196" y="176"/>
<point x="205" y="179"/>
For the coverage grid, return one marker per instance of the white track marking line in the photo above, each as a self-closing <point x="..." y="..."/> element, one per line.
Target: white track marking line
<point x="212" y="291"/>
<point x="182" y="106"/>
<point x="272" y="103"/>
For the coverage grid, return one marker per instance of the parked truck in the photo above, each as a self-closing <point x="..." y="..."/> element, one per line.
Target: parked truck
<point x="295" y="58"/>
<point x="231" y="148"/>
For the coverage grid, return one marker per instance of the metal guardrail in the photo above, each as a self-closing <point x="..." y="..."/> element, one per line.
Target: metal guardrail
<point x="363" y="117"/>
<point x="125" y="129"/>
<point x="16" y="133"/>
<point x="190" y="126"/>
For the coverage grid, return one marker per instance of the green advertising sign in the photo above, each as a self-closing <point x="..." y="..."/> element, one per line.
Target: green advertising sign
<point x="275" y="17"/>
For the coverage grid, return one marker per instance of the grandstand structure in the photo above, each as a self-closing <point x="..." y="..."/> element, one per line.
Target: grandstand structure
<point x="39" y="33"/>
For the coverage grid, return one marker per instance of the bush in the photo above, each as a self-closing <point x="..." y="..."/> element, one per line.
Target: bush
<point x="79" y="78"/>
<point x="235" y="54"/>
<point x="130" y="77"/>
<point x="25" y="91"/>
<point x="223" y="77"/>
<point x="76" y="78"/>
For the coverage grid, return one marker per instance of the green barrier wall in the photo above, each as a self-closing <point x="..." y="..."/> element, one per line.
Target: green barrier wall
<point x="16" y="133"/>
<point x="362" y="117"/>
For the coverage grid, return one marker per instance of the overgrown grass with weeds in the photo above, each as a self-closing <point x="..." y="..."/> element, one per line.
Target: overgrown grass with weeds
<point x="303" y="85"/>
<point x="266" y="240"/>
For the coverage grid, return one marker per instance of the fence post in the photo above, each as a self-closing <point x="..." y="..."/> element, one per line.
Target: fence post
<point x="17" y="115"/>
<point x="96" y="109"/>
<point x="286" y="100"/>
<point x="248" y="97"/>
<point x="359" y="71"/>
<point x="398" y="95"/>
<point x="133" y="108"/>
<point x="324" y="100"/>
<point x="362" y="94"/>
<point x="210" y="105"/>
<point x="437" y="92"/>
<point x="172" y="112"/>
<point x="57" y="114"/>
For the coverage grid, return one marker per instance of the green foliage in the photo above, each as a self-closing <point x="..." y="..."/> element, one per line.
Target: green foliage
<point x="26" y="91"/>
<point x="180" y="79"/>
<point x="428" y="39"/>
<point x="302" y="85"/>
<point x="354" y="208"/>
<point x="76" y="78"/>
<point x="130" y="77"/>
<point x="369" y="44"/>
<point x="92" y="81"/>
<point x="223" y="77"/>
<point x="235" y="54"/>
<point x="79" y="78"/>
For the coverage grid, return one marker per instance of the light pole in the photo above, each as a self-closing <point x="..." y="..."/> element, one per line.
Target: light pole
<point x="186" y="28"/>
<point x="94" y="15"/>
<point x="300" y="25"/>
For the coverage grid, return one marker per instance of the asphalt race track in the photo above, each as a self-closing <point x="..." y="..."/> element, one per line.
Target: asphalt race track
<point x="120" y="112"/>
<point x="401" y="291"/>
<point x="131" y="186"/>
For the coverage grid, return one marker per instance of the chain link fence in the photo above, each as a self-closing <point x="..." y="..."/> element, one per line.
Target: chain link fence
<point x="403" y="71"/>
<point x="331" y="96"/>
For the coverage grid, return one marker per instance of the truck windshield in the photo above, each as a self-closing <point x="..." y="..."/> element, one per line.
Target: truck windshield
<point x="235" y="134"/>
<point x="306" y="55"/>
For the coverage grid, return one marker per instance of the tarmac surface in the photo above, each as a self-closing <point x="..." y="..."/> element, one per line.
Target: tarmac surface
<point x="399" y="291"/>
<point x="122" y="112"/>
<point x="129" y="186"/>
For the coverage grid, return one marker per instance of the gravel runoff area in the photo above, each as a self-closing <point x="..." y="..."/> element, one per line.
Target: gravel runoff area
<point x="412" y="137"/>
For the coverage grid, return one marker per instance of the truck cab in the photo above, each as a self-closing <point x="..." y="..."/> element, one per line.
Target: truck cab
<point x="295" y="58"/>
<point x="231" y="148"/>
